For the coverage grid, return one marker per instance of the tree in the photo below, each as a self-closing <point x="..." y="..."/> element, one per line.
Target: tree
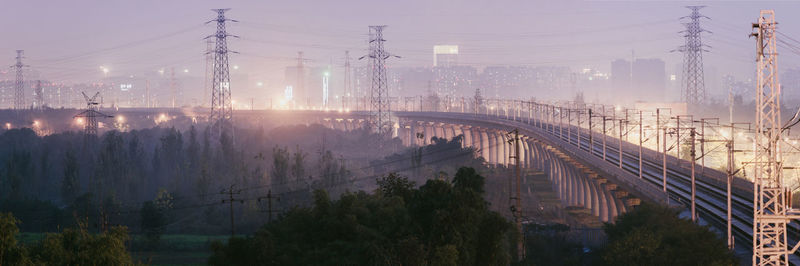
<point x="280" y="166"/>
<point x="69" y="247"/>
<point x="70" y="185"/>
<point x="394" y="185"/>
<point x="78" y="247"/>
<point x="654" y="234"/>
<point x="298" y="164"/>
<point x="436" y="224"/>
<point x="18" y="168"/>
<point x="10" y="253"/>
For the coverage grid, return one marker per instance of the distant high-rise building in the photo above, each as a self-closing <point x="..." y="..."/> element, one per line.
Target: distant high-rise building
<point x="445" y="55"/>
<point x="621" y="75"/>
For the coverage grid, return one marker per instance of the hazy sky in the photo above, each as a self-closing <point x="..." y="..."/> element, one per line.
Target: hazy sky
<point x="70" y="40"/>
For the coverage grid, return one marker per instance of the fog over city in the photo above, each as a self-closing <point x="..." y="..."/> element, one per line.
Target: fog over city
<point x="418" y="132"/>
<point x="569" y="46"/>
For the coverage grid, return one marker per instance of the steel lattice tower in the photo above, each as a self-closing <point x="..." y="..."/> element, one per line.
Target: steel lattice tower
<point x="379" y="91"/>
<point x="221" y="117"/>
<point x="39" y="100"/>
<point x="348" y="83"/>
<point x="694" y="91"/>
<point x="19" y="85"/>
<point x="769" y="204"/>
<point x="91" y="113"/>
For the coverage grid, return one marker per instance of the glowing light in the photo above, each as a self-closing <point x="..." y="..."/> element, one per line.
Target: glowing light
<point x="618" y="108"/>
<point x="8" y="125"/>
<point x="235" y="66"/>
<point x="121" y="119"/>
<point x="161" y="118"/>
<point x="79" y="121"/>
<point x="185" y="70"/>
<point x="259" y="83"/>
<point x="36" y="123"/>
<point x="104" y="69"/>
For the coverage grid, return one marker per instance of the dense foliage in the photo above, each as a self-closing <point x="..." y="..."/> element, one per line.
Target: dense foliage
<point x="74" y="246"/>
<point x="440" y="223"/>
<point x="655" y="235"/>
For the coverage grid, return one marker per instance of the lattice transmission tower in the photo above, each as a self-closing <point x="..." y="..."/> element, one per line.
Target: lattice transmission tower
<point x="90" y="115"/>
<point x="379" y="89"/>
<point x="770" y="196"/>
<point x="19" y="84"/>
<point x="221" y="117"/>
<point x="694" y="91"/>
<point x="39" y="96"/>
<point x="348" y="82"/>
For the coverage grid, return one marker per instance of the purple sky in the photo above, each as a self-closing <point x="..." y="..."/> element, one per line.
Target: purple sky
<point x="70" y="40"/>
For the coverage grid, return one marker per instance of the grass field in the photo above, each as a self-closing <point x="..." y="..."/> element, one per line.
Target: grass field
<point x="170" y="249"/>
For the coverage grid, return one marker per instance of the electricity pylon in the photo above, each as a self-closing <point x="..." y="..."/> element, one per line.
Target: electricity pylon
<point x="379" y="90"/>
<point x="348" y="82"/>
<point x="770" y="197"/>
<point x="19" y="84"/>
<point x="39" y="96"/>
<point x="221" y="117"/>
<point x="90" y="115"/>
<point x="694" y="91"/>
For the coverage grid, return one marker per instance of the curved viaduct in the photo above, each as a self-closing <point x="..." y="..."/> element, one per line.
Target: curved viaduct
<point x="576" y="181"/>
<point x="574" y="163"/>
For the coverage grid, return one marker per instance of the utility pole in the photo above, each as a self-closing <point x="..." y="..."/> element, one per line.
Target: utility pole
<point x="620" y="140"/>
<point x="19" y="84"/>
<point x="569" y="125"/>
<point x="221" y="117"/>
<point x="730" y="104"/>
<point x="591" y="136"/>
<point x="664" y="163"/>
<point x="693" y="155"/>
<point x="604" y="136"/>
<point x="769" y="203"/>
<point x="694" y="86"/>
<point x="379" y="91"/>
<point x="172" y="86"/>
<point x="640" y="143"/>
<point x="678" y="142"/>
<point x="348" y="83"/>
<point x="230" y="192"/>
<point x="516" y="209"/>
<point x="731" y="172"/>
<point x="269" y="198"/>
<point x="147" y="93"/>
